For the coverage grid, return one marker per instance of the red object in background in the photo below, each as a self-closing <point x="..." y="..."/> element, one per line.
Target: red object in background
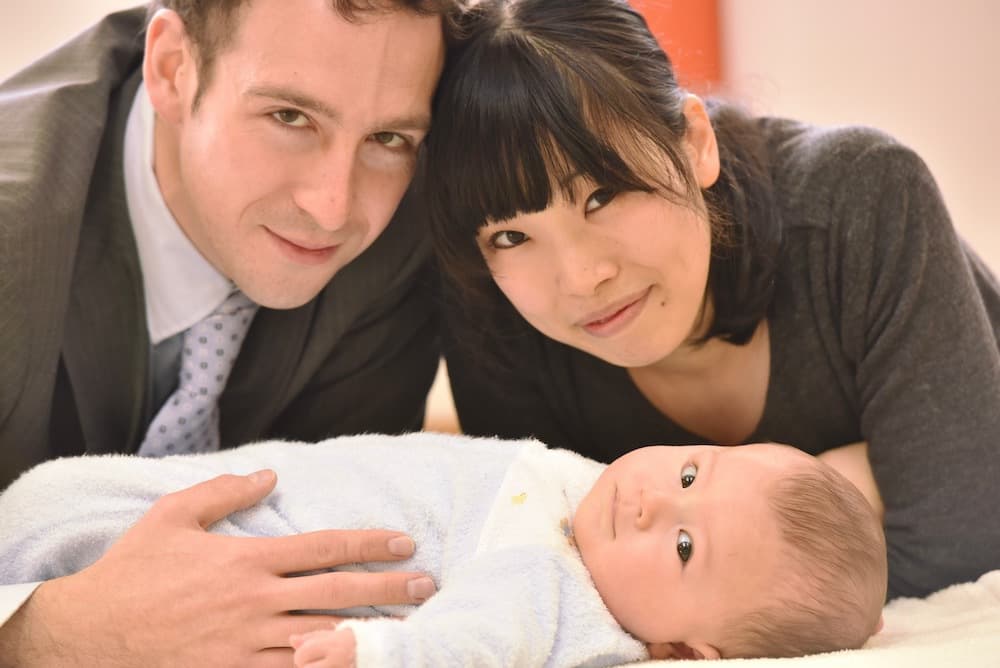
<point x="688" y="30"/>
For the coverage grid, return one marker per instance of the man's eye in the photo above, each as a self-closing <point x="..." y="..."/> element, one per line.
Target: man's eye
<point x="508" y="239"/>
<point x="688" y="474"/>
<point x="598" y="199"/>
<point x="291" y="118"/>
<point x="684" y="545"/>
<point x="390" y="139"/>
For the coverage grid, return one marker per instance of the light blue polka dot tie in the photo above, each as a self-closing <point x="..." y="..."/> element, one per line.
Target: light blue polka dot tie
<point x="189" y="419"/>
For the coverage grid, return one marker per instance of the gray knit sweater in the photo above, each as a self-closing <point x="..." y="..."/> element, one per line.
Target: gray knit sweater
<point x="883" y="329"/>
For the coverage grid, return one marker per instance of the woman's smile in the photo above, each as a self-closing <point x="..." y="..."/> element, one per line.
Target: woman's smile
<point x="611" y="320"/>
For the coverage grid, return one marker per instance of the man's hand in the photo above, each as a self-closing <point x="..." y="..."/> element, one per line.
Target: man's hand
<point x="168" y="593"/>
<point x="332" y="648"/>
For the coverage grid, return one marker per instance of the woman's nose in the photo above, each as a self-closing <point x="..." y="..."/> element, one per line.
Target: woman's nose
<point x="584" y="265"/>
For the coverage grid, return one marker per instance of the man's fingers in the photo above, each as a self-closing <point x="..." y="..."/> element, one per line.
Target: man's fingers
<point x="210" y="501"/>
<point x="333" y="591"/>
<point x="326" y="549"/>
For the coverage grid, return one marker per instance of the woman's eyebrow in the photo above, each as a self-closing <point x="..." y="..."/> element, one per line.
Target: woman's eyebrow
<point x="566" y="182"/>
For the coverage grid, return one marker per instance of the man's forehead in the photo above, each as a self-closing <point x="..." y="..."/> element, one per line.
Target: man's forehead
<point x="321" y="62"/>
<point x="319" y="16"/>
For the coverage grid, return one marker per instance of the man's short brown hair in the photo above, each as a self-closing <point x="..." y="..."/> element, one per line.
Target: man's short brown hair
<point x="211" y="24"/>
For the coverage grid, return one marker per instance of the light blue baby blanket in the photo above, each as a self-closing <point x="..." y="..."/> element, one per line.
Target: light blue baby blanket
<point x="490" y="519"/>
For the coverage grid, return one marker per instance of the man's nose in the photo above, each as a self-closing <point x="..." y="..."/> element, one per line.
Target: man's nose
<point x="328" y="196"/>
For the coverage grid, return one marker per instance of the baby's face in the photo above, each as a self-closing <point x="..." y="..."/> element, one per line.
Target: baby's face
<point x="679" y="539"/>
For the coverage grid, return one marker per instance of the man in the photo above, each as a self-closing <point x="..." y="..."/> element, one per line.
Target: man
<point x="260" y="147"/>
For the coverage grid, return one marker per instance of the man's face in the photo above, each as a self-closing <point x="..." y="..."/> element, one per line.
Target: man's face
<point x="678" y="540"/>
<point x="302" y="144"/>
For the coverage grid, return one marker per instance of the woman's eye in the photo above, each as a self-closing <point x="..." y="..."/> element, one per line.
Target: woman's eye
<point x="390" y="139"/>
<point x="291" y="118"/>
<point x="508" y="239"/>
<point x="684" y="545"/>
<point x="688" y="474"/>
<point x="598" y="199"/>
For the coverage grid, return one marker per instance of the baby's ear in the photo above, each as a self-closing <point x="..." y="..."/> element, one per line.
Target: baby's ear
<point x="681" y="650"/>
<point x="881" y="623"/>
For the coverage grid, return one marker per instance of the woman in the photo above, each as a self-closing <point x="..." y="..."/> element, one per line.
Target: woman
<point x="636" y="267"/>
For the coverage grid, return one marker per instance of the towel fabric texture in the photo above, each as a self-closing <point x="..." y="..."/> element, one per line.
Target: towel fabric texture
<point x="489" y="519"/>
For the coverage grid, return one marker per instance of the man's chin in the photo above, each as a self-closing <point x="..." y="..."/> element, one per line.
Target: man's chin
<point x="281" y="299"/>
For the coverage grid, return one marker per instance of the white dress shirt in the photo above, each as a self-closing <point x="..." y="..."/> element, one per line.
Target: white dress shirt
<point x="180" y="285"/>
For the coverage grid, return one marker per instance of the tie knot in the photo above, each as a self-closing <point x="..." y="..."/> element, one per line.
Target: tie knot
<point x="189" y="420"/>
<point x="234" y="303"/>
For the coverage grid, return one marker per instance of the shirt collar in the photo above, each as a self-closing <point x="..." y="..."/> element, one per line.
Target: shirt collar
<point x="180" y="285"/>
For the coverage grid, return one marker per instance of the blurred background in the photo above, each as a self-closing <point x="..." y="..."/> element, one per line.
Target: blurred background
<point x="925" y="71"/>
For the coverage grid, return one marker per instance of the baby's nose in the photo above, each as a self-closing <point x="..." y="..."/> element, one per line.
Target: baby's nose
<point x="654" y="506"/>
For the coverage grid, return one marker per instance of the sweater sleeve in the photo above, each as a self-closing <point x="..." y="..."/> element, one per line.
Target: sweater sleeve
<point x="497" y="387"/>
<point x="521" y="606"/>
<point x="917" y="322"/>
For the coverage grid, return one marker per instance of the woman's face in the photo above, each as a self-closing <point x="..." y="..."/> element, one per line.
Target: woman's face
<point x="622" y="277"/>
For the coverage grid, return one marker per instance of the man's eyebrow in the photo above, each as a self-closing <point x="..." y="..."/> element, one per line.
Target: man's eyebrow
<point x="411" y="123"/>
<point x="414" y="122"/>
<point x="293" y="98"/>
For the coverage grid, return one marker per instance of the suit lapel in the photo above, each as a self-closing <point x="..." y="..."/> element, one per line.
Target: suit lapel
<point x="263" y="380"/>
<point x="107" y="345"/>
<point x="53" y="117"/>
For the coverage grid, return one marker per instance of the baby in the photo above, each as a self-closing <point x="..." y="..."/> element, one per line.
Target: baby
<point x="541" y="556"/>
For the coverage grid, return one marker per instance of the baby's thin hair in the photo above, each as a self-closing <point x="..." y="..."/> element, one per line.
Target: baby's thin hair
<point x="831" y="595"/>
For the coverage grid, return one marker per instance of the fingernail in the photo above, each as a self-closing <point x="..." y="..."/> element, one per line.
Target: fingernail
<point x="420" y="589"/>
<point x="401" y="546"/>
<point x="261" y="477"/>
<point x="294" y="640"/>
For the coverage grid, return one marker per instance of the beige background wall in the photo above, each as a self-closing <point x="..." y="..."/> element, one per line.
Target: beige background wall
<point x="928" y="72"/>
<point x="30" y="28"/>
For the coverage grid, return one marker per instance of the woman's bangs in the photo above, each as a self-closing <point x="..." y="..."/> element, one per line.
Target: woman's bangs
<point x="528" y="126"/>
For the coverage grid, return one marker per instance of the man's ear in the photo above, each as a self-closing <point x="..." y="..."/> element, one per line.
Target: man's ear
<point x="681" y="650"/>
<point x="169" y="70"/>
<point x="700" y="142"/>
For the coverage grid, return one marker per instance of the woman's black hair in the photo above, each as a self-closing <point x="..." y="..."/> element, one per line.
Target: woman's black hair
<point x="541" y="90"/>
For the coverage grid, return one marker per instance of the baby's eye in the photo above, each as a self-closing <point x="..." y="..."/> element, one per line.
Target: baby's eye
<point x="291" y="118"/>
<point x="598" y="199"/>
<point x="507" y="239"/>
<point x="684" y="545"/>
<point x="688" y="474"/>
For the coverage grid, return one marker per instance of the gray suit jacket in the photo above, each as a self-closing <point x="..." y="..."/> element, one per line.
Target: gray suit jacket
<point x="74" y="349"/>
